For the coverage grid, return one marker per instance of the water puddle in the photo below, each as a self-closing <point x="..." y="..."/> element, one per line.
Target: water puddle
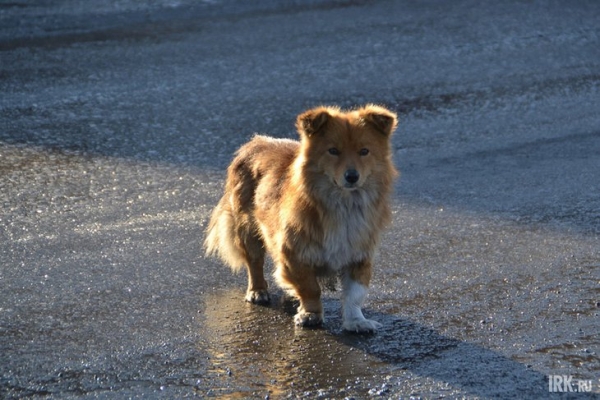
<point x="257" y="351"/>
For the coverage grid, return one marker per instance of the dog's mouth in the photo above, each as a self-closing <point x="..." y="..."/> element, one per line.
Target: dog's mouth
<point x="345" y="186"/>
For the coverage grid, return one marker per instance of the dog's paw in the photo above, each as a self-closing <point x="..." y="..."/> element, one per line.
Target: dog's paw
<point x="258" y="297"/>
<point x="361" y="326"/>
<point x="308" y="319"/>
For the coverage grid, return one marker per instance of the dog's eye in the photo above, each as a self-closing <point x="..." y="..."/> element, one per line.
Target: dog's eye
<point x="333" y="151"/>
<point x="363" y="152"/>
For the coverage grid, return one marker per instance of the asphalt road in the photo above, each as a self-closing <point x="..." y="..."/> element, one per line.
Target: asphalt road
<point x="118" y="119"/>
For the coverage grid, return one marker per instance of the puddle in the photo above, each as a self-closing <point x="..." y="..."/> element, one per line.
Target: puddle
<point x="257" y="351"/>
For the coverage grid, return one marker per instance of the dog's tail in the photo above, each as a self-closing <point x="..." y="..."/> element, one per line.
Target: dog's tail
<point x="221" y="237"/>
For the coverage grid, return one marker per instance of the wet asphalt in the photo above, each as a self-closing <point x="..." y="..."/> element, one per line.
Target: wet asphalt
<point x="118" y="119"/>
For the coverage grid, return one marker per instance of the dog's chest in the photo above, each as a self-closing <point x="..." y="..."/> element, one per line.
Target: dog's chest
<point x="346" y="244"/>
<point x="349" y="236"/>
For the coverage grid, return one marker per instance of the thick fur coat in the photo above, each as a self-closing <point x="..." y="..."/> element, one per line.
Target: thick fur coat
<point x="316" y="206"/>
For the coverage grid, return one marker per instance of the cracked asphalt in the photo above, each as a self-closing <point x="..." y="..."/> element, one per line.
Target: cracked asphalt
<point x="118" y="119"/>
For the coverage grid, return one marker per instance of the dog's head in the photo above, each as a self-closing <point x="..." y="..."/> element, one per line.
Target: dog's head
<point x="350" y="148"/>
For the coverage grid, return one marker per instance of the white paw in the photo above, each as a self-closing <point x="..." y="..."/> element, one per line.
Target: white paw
<point x="363" y="325"/>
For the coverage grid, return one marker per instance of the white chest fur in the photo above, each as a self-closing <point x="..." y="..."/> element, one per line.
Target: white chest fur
<point x="349" y="231"/>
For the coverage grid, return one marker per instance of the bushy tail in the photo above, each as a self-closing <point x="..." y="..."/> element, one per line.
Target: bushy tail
<point x="221" y="236"/>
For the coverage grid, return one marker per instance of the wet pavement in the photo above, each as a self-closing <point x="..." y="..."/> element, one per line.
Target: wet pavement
<point x="117" y="121"/>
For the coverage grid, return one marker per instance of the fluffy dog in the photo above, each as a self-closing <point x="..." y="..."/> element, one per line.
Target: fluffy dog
<point x="316" y="206"/>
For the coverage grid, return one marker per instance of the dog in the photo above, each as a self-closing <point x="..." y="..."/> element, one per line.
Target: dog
<point x="316" y="206"/>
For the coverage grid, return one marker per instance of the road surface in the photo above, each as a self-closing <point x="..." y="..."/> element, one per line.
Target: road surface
<point x="118" y="119"/>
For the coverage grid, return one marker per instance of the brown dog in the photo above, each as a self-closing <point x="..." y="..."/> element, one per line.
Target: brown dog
<point x="317" y="206"/>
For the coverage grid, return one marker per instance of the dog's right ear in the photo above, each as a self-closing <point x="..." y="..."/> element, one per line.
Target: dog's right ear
<point x="312" y="121"/>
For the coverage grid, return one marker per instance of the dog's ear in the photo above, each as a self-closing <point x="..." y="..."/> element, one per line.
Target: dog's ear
<point x="312" y="121"/>
<point x="380" y="118"/>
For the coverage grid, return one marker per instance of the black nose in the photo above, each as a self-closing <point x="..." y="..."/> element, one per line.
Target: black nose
<point x="351" y="176"/>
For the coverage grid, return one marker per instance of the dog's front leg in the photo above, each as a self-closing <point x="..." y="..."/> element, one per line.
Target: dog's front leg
<point x="355" y="285"/>
<point x="303" y="282"/>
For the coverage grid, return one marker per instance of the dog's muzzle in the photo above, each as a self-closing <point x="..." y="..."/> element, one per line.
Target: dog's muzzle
<point x="351" y="176"/>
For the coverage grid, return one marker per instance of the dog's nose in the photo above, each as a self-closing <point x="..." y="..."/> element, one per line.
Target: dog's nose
<point x="351" y="176"/>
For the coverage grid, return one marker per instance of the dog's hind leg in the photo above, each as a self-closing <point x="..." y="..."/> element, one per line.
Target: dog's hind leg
<point x="231" y="236"/>
<point x="254" y="254"/>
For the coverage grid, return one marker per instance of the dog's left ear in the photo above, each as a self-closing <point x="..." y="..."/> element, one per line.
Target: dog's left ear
<point x="380" y="118"/>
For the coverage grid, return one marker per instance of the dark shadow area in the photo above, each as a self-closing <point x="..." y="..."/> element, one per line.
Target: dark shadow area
<point x="256" y="348"/>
